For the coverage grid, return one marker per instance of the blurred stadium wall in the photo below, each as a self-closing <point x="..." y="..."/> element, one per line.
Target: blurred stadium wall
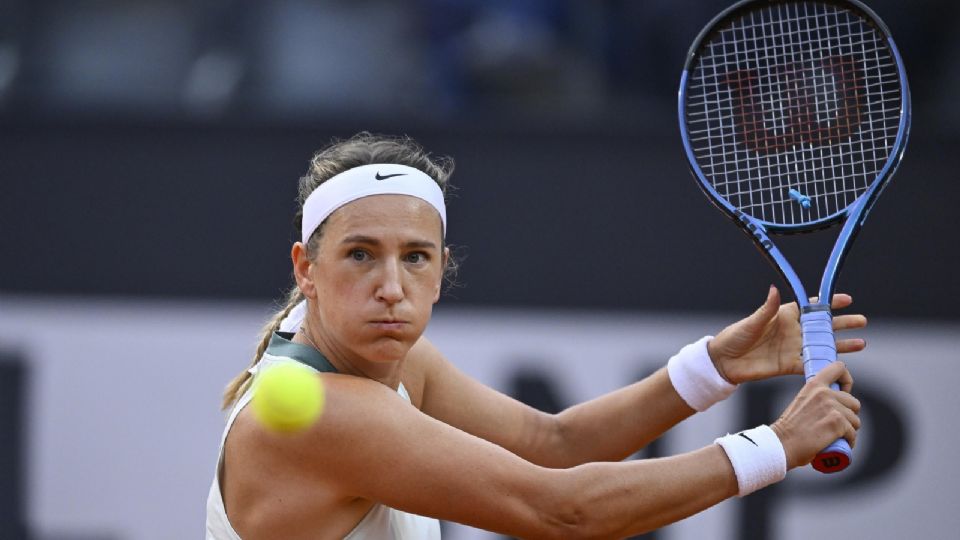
<point x="122" y="423"/>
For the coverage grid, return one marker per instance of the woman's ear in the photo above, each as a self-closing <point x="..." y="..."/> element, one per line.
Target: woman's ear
<point x="301" y="270"/>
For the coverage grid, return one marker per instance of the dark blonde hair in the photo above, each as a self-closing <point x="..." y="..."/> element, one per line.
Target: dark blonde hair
<point x="361" y="149"/>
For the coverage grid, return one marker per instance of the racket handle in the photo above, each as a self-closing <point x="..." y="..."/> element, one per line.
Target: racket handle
<point x="819" y="351"/>
<point x="835" y="457"/>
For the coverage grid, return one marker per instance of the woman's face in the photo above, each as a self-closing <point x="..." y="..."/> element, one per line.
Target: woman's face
<point x="375" y="277"/>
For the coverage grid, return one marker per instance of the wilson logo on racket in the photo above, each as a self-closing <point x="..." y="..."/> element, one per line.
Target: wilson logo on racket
<point x="831" y="462"/>
<point x="819" y="103"/>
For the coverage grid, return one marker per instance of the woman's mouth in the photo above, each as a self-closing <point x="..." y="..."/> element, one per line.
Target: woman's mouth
<point x="389" y="324"/>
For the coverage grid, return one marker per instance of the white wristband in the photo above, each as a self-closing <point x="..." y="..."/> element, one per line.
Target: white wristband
<point x="695" y="377"/>
<point x="757" y="457"/>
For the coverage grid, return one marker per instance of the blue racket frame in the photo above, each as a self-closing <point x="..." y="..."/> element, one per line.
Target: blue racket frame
<point x="819" y="347"/>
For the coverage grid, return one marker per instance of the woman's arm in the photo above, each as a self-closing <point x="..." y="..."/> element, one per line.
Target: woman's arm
<point x="372" y="444"/>
<point x="613" y="426"/>
<point x="608" y="428"/>
<point x="402" y="458"/>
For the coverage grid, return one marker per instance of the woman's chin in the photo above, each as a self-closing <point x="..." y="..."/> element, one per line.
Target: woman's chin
<point x="387" y="350"/>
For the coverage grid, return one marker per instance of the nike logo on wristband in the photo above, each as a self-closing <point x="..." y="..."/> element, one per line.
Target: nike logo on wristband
<point x="385" y="176"/>
<point x="749" y="439"/>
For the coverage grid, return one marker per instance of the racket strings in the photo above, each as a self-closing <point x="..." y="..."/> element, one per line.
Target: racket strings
<point x="797" y="96"/>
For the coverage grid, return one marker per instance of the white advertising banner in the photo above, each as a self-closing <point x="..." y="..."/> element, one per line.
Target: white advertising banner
<point x="123" y="421"/>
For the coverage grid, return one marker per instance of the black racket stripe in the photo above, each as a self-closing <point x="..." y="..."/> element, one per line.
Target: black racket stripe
<point x="791" y="67"/>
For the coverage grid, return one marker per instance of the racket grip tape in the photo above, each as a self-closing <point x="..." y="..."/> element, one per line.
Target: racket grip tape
<point x="819" y="351"/>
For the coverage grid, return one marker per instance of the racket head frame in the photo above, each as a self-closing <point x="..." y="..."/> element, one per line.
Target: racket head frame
<point x="853" y="215"/>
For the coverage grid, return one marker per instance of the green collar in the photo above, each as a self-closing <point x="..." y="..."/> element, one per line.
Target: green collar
<point x="281" y="344"/>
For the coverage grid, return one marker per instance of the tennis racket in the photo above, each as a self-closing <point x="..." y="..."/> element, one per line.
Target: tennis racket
<point x="794" y="115"/>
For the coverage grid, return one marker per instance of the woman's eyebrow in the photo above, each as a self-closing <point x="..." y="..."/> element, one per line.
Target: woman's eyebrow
<point x="360" y="239"/>
<point x="369" y="240"/>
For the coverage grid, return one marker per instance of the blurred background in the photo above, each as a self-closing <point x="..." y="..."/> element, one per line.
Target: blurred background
<point x="149" y="154"/>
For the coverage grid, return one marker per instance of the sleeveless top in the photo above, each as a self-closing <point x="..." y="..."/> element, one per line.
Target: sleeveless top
<point x="380" y="523"/>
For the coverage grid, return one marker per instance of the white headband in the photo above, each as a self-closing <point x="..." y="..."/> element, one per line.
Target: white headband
<point x="367" y="180"/>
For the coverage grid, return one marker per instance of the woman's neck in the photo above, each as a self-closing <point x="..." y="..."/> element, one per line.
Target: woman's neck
<point x="348" y="362"/>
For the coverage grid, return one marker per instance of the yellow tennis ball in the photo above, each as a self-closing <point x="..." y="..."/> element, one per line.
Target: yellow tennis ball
<point x="288" y="397"/>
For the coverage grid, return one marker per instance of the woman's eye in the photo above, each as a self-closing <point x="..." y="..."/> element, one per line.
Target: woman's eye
<point x="417" y="257"/>
<point x="358" y="255"/>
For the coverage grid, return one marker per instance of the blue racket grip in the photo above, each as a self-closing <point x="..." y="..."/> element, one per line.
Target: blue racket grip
<point x="819" y="351"/>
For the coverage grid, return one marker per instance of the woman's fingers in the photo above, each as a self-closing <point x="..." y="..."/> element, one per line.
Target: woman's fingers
<point x="849" y="322"/>
<point x="767" y="311"/>
<point x="841" y="300"/>
<point x="846" y="382"/>
<point x="851" y="345"/>
<point x="849" y="406"/>
<point x="851" y="435"/>
<point x="848" y="401"/>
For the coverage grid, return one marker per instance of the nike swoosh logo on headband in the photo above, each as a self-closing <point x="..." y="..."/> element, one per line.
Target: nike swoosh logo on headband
<point x="385" y="176"/>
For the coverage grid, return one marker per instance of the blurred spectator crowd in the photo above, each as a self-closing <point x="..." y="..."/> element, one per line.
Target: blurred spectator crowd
<point x="436" y="58"/>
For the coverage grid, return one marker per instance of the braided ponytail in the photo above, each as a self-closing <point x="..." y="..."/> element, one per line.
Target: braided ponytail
<point x="241" y="382"/>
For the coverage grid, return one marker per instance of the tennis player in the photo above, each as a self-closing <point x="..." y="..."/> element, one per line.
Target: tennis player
<point x="407" y="439"/>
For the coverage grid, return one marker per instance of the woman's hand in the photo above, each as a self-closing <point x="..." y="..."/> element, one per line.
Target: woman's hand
<point x="768" y="342"/>
<point x="817" y="416"/>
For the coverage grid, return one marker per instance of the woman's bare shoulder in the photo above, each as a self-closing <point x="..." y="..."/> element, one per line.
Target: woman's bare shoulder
<point x="263" y="468"/>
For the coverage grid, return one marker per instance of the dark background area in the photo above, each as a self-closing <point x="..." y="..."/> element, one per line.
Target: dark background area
<point x="152" y="149"/>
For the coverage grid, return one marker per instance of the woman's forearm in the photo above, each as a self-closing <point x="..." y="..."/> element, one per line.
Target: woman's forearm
<point x="616" y="500"/>
<point x="615" y="425"/>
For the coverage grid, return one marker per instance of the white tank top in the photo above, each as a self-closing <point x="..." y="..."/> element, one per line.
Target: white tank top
<point x="380" y="523"/>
